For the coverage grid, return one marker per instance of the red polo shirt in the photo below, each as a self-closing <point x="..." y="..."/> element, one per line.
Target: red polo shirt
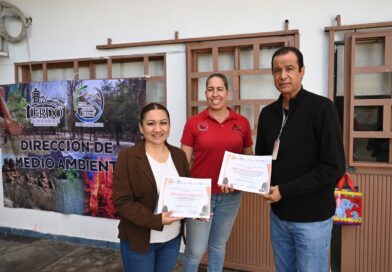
<point x="210" y="139"/>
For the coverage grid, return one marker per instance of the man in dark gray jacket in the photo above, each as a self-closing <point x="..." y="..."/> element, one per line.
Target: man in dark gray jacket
<point x="301" y="130"/>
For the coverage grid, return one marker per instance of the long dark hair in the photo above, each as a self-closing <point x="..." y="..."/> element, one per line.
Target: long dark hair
<point x="221" y="76"/>
<point x="152" y="106"/>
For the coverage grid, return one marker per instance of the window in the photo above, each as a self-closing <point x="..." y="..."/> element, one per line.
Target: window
<point x="361" y="89"/>
<point x="370" y="104"/>
<point x="247" y="64"/>
<point x="150" y="66"/>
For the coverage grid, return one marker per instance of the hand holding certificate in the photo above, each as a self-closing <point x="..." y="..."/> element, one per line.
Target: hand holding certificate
<point x="246" y="173"/>
<point x="187" y="197"/>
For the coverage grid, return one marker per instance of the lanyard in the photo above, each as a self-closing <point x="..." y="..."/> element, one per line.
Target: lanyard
<point x="275" y="149"/>
<point x="284" y="120"/>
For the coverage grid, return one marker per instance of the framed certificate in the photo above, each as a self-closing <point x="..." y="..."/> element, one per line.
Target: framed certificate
<point x="187" y="197"/>
<point x="246" y="173"/>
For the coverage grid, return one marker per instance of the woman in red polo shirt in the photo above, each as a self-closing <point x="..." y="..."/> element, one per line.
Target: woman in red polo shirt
<point x="206" y="137"/>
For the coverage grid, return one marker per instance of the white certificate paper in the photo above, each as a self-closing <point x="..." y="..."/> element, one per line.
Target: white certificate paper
<point x="187" y="197"/>
<point x="246" y="173"/>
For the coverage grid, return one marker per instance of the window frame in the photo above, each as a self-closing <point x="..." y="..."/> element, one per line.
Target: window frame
<point x="360" y="30"/>
<point x="23" y="70"/>
<point x="351" y="40"/>
<point x="215" y="47"/>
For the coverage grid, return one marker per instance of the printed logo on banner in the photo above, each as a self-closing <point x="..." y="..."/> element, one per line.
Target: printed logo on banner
<point x="44" y="112"/>
<point x="88" y="106"/>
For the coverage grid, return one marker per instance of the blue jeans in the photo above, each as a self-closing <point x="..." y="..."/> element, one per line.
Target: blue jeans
<point x="214" y="233"/>
<point x="300" y="246"/>
<point x="161" y="257"/>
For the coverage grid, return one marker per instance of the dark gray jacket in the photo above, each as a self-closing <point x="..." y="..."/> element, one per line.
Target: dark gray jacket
<point x="310" y="159"/>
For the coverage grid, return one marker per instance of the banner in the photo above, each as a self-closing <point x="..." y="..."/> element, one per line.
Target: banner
<point x="60" y="141"/>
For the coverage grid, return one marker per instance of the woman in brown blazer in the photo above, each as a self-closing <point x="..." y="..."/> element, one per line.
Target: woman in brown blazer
<point x="149" y="241"/>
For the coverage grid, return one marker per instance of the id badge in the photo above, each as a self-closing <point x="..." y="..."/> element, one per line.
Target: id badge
<point x="275" y="150"/>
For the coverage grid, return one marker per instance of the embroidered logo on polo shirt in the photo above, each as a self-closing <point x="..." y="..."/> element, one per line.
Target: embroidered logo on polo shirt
<point x="202" y="126"/>
<point x="236" y="127"/>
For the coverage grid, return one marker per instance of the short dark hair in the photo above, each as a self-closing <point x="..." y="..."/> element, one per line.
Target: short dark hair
<point x="221" y="76"/>
<point x="285" y="50"/>
<point x="153" y="106"/>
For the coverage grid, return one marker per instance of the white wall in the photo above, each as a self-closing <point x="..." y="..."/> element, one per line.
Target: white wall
<point x="71" y="29"/>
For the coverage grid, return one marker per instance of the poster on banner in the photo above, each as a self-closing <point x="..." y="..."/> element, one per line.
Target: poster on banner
<point x="60" y="141"/>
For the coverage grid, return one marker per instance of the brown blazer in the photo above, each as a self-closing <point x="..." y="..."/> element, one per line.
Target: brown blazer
<point x="135" y="194"/>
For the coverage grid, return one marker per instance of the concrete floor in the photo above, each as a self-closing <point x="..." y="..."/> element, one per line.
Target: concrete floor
<point x="21" y="254"/>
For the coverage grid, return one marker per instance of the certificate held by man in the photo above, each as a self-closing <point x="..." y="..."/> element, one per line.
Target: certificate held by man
<point x="187" y="197"/>
<point x="246" y="173"/>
